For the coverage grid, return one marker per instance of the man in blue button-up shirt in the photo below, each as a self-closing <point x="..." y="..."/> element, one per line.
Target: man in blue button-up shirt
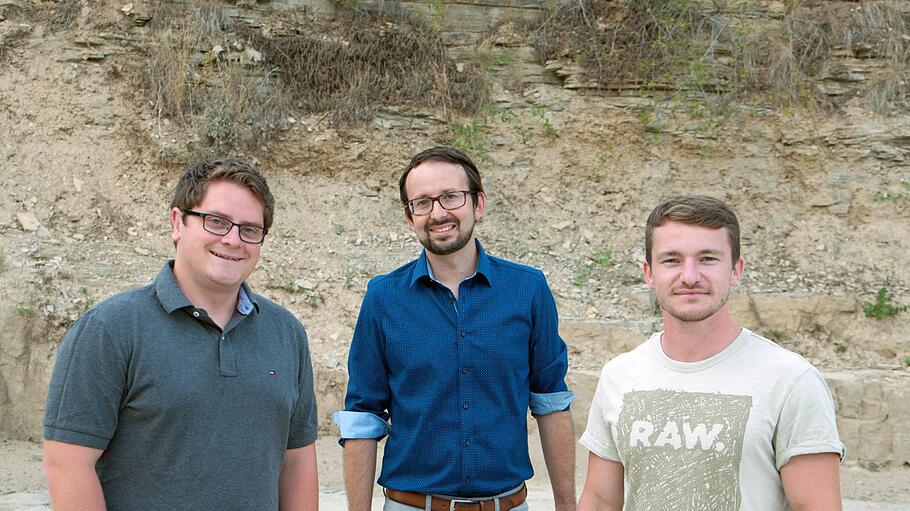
<point x="453" y="349"/>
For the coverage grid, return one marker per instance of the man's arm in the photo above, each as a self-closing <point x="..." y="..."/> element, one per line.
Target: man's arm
<point x="557" y="438"/>
<point x="359" y="472"/>
<point x="812" y="481"/>
<point x="603" y="486"/>
<point x="71" y="478"/>
<point x="298" y="482"/>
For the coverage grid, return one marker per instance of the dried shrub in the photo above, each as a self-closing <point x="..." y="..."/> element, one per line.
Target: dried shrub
<point x="367" y="60"/>
<point x="878" y="29"/>
<point x="704" y="46"/>
<point x="226" y="104"/>
<point x="348" y="69"/>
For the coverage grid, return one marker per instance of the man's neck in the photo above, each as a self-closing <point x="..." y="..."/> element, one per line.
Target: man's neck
<point x="693" y="341"/>
<point x="219" y="303"/>
<point x="453" y="268"/>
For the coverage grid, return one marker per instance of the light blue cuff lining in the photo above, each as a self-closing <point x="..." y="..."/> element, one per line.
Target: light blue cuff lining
<point x="361" y="425"/>
<point x="542" y="404"/>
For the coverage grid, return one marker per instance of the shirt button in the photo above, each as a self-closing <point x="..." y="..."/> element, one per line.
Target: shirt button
<point x="463" y="334"/>
<point x="467" y="442"/>
<point x="467" y="479"/>
<point x="465" y="406"/>
<point x="222" y="337"/>
<point x="464" y="369"/>
<point x="195" y="314"/>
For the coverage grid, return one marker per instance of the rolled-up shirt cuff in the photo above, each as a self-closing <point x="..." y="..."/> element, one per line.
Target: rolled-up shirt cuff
<point x="542" y="404"/>
<point x="360" y="425"/>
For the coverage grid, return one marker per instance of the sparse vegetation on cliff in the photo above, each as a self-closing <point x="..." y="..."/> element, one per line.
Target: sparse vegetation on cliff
<point x="232" y="84"/>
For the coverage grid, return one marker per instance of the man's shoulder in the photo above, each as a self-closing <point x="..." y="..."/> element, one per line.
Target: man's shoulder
<point x="515" y="270"/>
<point x="398" y="278"/>
<point x="764" y="352"/>
<point x="632" y="360"/>
<point x="272" y="310"/>
<point x="130" y="302"/>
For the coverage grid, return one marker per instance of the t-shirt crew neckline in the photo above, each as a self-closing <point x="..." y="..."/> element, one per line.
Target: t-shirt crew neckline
<point x="691" y="367"/>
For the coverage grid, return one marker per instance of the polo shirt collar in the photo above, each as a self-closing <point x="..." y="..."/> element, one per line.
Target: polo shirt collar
<point x="484" y="268"/>
<point x="172" y="298"/>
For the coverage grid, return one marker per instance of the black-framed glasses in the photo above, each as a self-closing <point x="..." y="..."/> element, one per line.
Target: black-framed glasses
<point x="221" y="226"/>
<point x="448" y="201"/>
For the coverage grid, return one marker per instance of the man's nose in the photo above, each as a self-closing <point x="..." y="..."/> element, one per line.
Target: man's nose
<point x="232" y="237"/>
<point x="690" y="274"/>
<point x="437" y="210"/>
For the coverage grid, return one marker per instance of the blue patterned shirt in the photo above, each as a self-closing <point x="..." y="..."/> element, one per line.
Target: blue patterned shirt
<point x="455" y="377"/>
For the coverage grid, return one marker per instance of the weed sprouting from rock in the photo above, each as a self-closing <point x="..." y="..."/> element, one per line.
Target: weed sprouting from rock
<point x="883" y="306"/>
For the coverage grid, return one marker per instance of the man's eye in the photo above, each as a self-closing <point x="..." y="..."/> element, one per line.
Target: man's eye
<point x="249" y="230"/>
<point x="217" y="221"/>
<point x="422" y="203"/>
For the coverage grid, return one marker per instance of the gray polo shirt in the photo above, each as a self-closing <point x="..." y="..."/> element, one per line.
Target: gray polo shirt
<point x="188" y="416"/>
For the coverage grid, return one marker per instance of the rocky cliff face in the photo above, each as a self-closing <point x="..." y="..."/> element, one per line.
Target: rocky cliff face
<point x="571" y="170"/>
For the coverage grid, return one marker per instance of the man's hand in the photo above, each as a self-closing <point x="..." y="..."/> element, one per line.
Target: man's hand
<point x="359" y="472"/>
<point x="812" y="481"/>
<point x="603" y="486"/>
<point x="557" y="438"/>
<point x="71" y="478"/>
<point x="298" y="482"/>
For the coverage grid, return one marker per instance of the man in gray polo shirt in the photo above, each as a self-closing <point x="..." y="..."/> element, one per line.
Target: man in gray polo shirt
<point x="192" y="392"/>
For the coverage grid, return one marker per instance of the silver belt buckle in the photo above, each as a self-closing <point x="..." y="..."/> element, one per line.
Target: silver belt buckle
<point x="458" y="501"/>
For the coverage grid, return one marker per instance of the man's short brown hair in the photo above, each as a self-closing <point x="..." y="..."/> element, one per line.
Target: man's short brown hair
<point x="190" y="190"/>
<point x="699" y="210"/>
<point x="446" y="154"/>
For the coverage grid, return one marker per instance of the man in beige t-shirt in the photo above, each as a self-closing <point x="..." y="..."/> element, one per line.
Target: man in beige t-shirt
<point x="707" y="415"/>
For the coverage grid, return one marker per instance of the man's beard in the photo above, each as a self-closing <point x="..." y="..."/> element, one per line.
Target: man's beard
<point x="698" y="315"/>
<point x="449" y="247"/>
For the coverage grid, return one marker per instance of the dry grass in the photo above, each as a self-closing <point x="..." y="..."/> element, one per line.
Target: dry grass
<point x="347" y="70"/>
<point x="724" y="47"/>
<point x="878" y="29"/>
<point x="369" y="60"/>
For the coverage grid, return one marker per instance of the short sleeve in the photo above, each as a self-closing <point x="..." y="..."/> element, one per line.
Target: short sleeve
<point x="598" y="436"/>
<point x="87" y="385"/>
<point x="303" y="424"/>
<point x="807" y="423"/>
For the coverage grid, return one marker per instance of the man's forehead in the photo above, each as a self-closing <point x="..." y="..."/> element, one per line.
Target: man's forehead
<point x="671" y="236"/>
<point x="437" y="174"/>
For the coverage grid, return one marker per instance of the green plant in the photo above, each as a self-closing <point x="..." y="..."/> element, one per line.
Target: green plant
<point x="883" y="306"/>
<point x="470" y="138"/>
<point x="583" y="275"/>
<point x="548" y="129"/>
<point x="86" y="301"/>
<point x="605" y="258"/>
<point x="907" y="361"/>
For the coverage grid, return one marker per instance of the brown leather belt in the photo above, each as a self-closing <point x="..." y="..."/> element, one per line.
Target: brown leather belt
<point x="419" y="501"/>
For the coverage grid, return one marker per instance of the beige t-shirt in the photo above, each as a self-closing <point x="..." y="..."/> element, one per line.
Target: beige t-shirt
<point x="709" y="435"/>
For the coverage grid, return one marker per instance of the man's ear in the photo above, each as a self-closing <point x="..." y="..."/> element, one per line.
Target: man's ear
<point x="649" y="278"/>
<point x="480" y="205"/>
<point x="408" y="217"/>
<point x="738" y="271"/>
<point x="176" y="224"/>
